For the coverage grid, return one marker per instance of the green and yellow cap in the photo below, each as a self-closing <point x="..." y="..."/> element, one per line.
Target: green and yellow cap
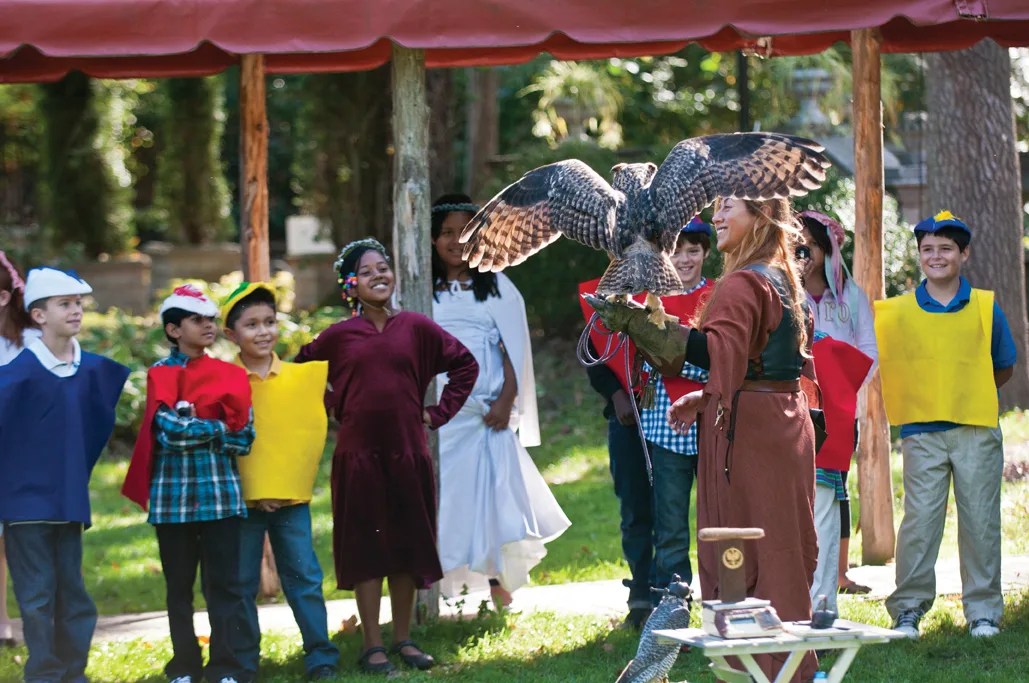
<point x="244" y="290"/>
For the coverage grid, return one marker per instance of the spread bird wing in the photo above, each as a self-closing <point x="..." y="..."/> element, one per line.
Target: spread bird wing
<point x="566" y="198"/>
<point x="742" y="165"/>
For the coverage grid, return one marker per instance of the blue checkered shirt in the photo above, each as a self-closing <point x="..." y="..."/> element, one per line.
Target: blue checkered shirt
<point x="195" y="478"/>
<point x="654" y="420"/>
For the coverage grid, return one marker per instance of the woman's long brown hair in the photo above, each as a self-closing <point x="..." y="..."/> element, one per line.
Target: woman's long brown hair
<point x="771" y="242"/>
<point x="13" y="317"/>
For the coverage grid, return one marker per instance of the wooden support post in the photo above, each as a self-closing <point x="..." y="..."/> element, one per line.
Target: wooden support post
<point x="412" y="242"/>
<point x="253" y="169"/>
<point x="875" y="486"/>
<point x="253" y="217"/>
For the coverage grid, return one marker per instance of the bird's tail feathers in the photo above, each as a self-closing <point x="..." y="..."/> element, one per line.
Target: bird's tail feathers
<point x="640" y="271"/>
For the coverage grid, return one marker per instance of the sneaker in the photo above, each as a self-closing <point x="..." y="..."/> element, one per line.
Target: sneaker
<point x="182" y="679"/>
<point x="228" y="679"/>
<point x="907" y="623"/>
<point x="322" y="673"/>
<point x="983" y="628"/>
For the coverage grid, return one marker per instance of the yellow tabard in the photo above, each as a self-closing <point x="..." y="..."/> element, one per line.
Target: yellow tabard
<point x="290" y="427"/>
<point x="937" y="366"/>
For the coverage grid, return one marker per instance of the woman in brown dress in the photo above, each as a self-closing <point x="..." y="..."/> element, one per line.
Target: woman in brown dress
<point x="756" y="465"/>
<point x="383" y="488"/>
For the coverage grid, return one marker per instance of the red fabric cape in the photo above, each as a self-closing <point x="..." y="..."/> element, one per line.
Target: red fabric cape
<point x="218" y="390"/>
<point x="841" y="370"/>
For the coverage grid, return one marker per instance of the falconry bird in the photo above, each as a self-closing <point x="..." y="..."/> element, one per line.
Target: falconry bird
<point x="637" y="218"/>
<point x="654" y="660"/>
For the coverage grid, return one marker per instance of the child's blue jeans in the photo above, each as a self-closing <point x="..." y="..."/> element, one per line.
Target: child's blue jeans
<point x="289" y="530"/>
<point x="58" y="616"/>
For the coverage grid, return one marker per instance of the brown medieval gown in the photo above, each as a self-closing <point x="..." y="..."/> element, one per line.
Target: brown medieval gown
<point x="383" y="485"/>
<point x="764" y="477"/>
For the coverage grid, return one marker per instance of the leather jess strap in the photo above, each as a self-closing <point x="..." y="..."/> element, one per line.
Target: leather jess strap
<point x="768" y="386"/>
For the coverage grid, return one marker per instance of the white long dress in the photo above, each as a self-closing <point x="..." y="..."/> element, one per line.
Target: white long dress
<point x="496" y="512"/>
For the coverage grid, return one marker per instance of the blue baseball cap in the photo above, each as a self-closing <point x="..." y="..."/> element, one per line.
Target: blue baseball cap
<point x="944" y="219"/>
<point x="697" y="225"/>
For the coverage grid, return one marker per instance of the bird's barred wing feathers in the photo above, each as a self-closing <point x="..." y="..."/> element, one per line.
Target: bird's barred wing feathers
<point x="742" y="165"/>
<point x="566" y="198"/>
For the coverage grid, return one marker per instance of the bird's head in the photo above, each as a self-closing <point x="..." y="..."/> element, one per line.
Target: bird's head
<point x="631" y="178"/>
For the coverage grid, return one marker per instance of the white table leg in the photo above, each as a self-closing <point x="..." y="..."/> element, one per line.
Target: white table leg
<point x="723" y="672"/>
<point x="755" y="671"/>
<point x="790" y="666"/>
<point x="843" y="662"/>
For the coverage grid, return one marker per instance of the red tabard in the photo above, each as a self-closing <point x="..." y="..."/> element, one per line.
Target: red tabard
<point x="841" y="370"/>
<point x="217" y="390"/>
<point x="683" y="306"/>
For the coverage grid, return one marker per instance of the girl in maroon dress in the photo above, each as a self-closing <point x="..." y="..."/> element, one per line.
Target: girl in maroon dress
<point x="383" y="489"/>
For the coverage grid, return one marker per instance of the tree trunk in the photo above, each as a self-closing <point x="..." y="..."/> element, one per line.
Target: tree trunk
<point x="79" y="194"/>
<point x="483" y="128"/>
<point x="346" y="171"/>
<point x="439" y="85"/>
<point x="253" y="169"/>
<point x="411" y="239"/>
<point x="874" y="483"/>
<point x="972" y="164"/>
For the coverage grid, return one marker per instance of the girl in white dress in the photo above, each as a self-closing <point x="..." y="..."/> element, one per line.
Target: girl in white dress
<point x="496" y="511"/>
<point x="16" y="331"/>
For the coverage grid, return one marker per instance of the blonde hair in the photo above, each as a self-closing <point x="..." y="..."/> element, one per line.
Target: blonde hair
<point x="771" y="241"/>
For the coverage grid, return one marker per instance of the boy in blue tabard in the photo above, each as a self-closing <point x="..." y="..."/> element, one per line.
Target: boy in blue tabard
<point x="57" y="407"/>
<point x="944" y="350"/>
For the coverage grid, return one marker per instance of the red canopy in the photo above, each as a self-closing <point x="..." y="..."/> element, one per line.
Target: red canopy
<point x="43" y="39"/>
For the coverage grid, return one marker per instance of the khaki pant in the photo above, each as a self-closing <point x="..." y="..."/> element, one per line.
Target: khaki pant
<point x="827" y="529"/>
<point x="974" y="458"/>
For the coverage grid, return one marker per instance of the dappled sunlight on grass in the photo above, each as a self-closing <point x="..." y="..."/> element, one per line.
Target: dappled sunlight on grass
<point x="580" y="463"/>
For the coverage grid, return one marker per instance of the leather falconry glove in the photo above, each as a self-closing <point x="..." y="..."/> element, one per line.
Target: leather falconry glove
<point x="664" y="348"/>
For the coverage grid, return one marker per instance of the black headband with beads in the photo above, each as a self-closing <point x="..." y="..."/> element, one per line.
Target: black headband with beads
<point x="455" y="208"/>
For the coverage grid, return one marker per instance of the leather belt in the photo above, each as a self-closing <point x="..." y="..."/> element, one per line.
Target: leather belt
<point x="771" y="386"/>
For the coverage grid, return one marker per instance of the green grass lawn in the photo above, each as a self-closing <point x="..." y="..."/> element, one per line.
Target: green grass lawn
<point x="551" y="648"/>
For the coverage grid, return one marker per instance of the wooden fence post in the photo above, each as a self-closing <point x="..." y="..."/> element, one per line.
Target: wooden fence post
<point x="875" y="486"/>
<point x="411" y="236"/>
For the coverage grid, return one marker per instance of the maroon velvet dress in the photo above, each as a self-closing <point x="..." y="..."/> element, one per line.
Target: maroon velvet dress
<point x="383" y="485"/>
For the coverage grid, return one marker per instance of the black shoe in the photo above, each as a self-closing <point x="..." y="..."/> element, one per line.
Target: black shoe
<point x="637" y="617"/>
<point x="419" y="660"/>
<point x="370" y="668"/>
<point x="322" y="673"/>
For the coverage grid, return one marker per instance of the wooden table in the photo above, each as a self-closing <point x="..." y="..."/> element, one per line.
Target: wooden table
<point x="798" y="638"/>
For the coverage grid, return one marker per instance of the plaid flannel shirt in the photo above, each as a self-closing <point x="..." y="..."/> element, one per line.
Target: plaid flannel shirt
<point x="654" y="420"/>
<point x="195" y="477"/>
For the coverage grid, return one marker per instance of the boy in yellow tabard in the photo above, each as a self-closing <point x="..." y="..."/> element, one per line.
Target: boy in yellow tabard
<point x="290" y="426"/>
<point x="944" y="350"/>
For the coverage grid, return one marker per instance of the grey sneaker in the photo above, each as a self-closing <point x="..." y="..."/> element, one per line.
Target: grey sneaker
<point x="983" y="628"/>
<point x="907" y="623"/>
<point x="182" y="679"/>
<point x="228" y="679"/>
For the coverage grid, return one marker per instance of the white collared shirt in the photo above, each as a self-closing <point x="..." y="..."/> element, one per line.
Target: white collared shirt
<point x="51" y="362"/>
